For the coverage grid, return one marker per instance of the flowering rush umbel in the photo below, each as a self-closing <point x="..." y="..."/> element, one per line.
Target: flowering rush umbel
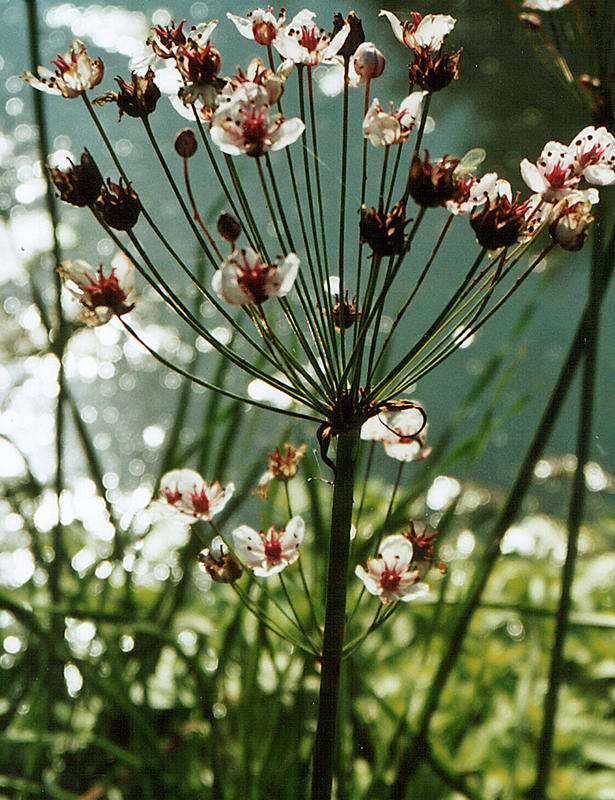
<point x="314" y="280"/>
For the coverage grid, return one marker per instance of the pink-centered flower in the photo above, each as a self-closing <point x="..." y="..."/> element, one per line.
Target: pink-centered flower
<point x="471" y="192"/>
<point x="102" y="294"/>
<point x="388" y="127"/>
<point x="389" y="575"/>
<point x="244" y="278"/>
<point x="420" y="32"/>
<point x="187" y="492"/>
<point x="246" y="124"/>
<point x="554" y="175"/>
<point x="593" y="153"/>
<point x="269" y="553"/>
<point x="75" y="73"/>
<point x="304" y="43"/>
<point x="259" y="25"/>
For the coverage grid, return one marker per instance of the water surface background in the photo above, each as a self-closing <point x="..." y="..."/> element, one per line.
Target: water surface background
<point x="505" y="102"/>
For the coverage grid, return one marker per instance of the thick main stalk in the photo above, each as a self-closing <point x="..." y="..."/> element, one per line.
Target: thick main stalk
<point x="339" y="545"/>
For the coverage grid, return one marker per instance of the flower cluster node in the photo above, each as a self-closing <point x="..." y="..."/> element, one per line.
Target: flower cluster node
<point x="79" y="185"/>
<point x="118" y="205"/>
<point x="220" y="563"/>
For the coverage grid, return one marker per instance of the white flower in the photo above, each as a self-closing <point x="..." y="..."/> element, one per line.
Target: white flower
<point x="471" y="192"/>
<point x="259" y="25"/>
<point x="246" y="124"/>
<point x="421" y="32"/>
<point x="407" y="436"/>
<point x="366" y="64"/>
<point x="389" y="576"/>
<point x="187" y="492"/>
<point x="304" y="43"/>
<point x="102" y="296"/>
<point x="545" y="5"/>
<point x="386" y="128"/>
<point x="403" y="436"/>
<point x="593" y="151"/>
<point x="570" y="219"/>
<point x="243" y="278"/>
<point x="268" y="554"/>
<point x="553" y="176"/>
<point x="75" y="73"/>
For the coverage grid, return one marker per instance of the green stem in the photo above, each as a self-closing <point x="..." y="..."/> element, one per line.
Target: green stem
<point x="339" y="545"/>
<point x="575" y="515"/>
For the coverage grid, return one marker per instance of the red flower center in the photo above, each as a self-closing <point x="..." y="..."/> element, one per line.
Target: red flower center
<point x="253" y="279"/>
<point x="557" y="176"/>
<point x="273" y="548"/>
<point x="254" y="127"/>
<point x="309" y="39"/>
<point x="591" y="156"/>
<point x="172" y="496"/>
<point x="200" y="501"/>
<point x="104" y="290"/>
<point x="390" y="578"/>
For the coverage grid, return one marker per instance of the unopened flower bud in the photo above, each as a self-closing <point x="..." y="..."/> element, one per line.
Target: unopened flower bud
<point x="432" y="185"/>
<point x="185" y="143"/>
<point x="79" y="185"/>
<point x="264" y="28"/>
<point x="570" y="220"/>
<point x="368" y="61"/>
<point x="118" y="205"/>
<point x="219" y="562"/>
<point x="229" y="227"/>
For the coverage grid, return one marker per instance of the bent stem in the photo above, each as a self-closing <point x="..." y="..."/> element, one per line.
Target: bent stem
<point x="333" y="640"/>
